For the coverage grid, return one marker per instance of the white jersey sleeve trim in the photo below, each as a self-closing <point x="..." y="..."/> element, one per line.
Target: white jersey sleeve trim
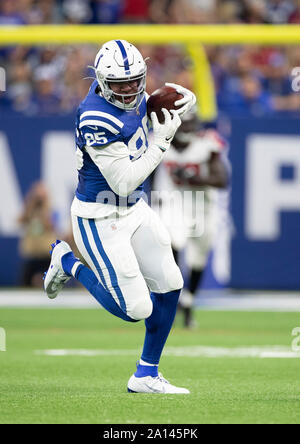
<point x="100" y="124"/>
<point x="123" y="175"/>
<point x="102" y="114"/>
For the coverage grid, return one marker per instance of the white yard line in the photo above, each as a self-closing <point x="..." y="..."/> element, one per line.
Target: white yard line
<point x="206" y="300"/>
<point x="38" y="299"/>
<point x="275" y="351"/>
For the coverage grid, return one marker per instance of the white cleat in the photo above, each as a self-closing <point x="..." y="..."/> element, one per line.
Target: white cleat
<point x="158" y="384"/>
<point x="55" y="277"/>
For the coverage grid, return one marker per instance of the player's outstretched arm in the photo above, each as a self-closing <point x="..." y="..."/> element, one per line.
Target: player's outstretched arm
<point x="124" y="176"/>
<point x="218" y="174"/>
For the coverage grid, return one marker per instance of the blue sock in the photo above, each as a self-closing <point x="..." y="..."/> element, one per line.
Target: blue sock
<point x="89" y="280"/>
<point x="67" y="261"/>
<point x="159" y="324"/>
<point x="146" y="370"/>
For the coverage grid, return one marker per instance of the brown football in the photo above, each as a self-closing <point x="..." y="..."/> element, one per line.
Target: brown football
<point x="163" y="97"/>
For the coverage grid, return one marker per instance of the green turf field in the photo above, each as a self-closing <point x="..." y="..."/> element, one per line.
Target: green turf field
<point x="37" y="388"/>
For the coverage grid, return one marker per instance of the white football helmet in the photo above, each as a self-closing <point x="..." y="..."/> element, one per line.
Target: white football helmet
<point x="120" y="61"/>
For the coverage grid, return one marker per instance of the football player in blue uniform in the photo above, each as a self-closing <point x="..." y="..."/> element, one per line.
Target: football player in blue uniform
<point x="132" y="272"/>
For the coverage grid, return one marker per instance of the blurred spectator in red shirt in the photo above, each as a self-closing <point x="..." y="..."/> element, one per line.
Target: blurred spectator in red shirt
<point x="135" y="11"/>
<point x="295" y="15"/>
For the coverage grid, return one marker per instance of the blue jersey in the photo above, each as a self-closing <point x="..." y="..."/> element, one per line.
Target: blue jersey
<point x="98" y="124"/>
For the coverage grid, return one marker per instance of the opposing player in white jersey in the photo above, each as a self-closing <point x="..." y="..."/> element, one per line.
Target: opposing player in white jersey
<point x="187" y="181"/>
<point x="132" y="272"/>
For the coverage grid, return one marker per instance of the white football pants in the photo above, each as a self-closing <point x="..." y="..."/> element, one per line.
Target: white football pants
<point x="130" y="255"/>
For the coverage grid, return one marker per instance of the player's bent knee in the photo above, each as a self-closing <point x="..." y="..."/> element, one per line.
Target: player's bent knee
<point x="173" y="277"/>
<point x="141" y="310"/>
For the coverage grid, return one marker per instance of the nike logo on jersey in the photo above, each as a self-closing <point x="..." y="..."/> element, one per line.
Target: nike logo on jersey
<point x="92" y="127"/>
<point x="168" y="138"/>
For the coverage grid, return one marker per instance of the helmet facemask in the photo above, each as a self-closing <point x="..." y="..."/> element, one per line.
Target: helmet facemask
<point x="118" y="99"/>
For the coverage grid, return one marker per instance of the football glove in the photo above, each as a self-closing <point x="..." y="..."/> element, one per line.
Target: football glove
<point x="188" y="100"/>
<point x="164" y="132"/>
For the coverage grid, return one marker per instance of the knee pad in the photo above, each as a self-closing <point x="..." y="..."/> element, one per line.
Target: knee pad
<point x="173" y="276"/>
<point x="141" y="309"/>
<point x="168" y="277"/>
<point x="176" y="280"/>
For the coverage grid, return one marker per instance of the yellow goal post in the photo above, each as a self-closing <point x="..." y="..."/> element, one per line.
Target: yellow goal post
<point x="193" y="37"/>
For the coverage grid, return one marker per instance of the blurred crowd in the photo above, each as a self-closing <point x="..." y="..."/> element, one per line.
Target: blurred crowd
<point x="53" y="80"/>
<point x="149" y="11"/>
